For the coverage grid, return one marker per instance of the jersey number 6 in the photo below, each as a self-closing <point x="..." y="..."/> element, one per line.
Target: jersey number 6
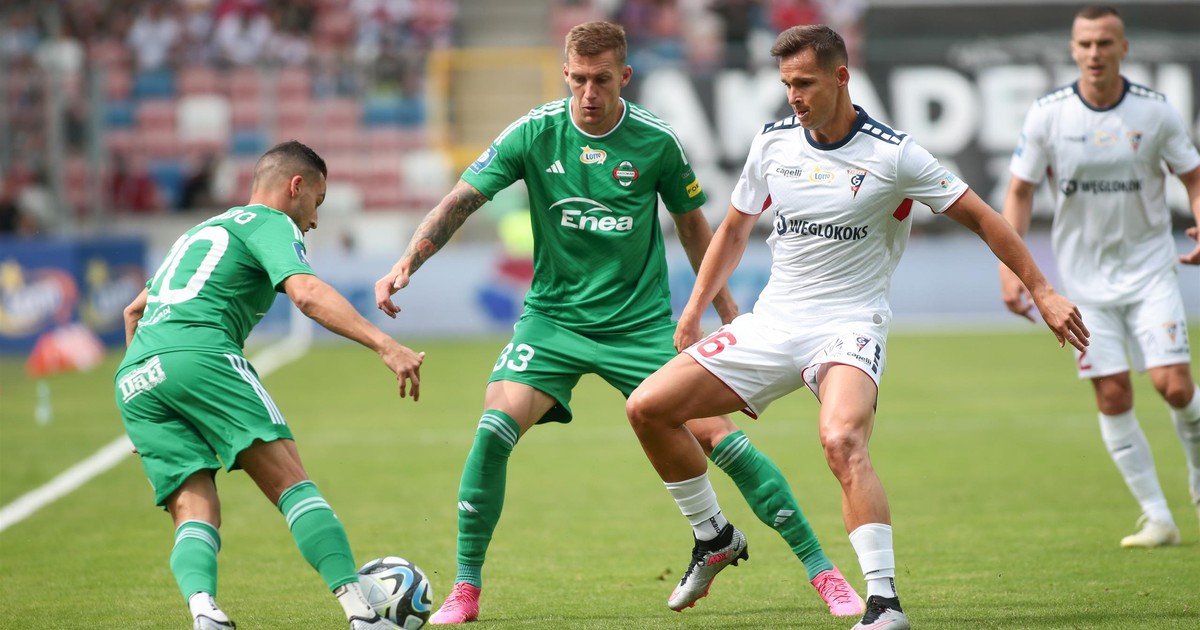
<point x="715" y="343"/>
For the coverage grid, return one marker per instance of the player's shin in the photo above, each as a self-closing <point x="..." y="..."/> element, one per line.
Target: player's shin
<point x="318" y="533"/>
<point x="194" y="558"/>
<point x="1187" y="425"/>
<point x="769" y="495"/>
<point x="1131" y="453"/>
<point x="481" y="491"/>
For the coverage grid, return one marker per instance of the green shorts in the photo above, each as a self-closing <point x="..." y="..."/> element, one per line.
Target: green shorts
<point x="184" y="410"/>
<point x="551" y="358"/>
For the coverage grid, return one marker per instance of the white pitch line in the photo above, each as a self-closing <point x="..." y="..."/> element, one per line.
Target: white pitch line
<point x="289" y="349"/>
<point x="65" y="483"/>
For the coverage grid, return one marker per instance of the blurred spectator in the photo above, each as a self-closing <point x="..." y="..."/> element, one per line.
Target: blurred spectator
<point x="845" y="16"/>
<point x="242" y="34"/>
<point x="654" y="29"/>
<point x="107" y="40"/>
<point x="294" y="15"/>
<point x="197" y="28"/>
<point x="784" y="14"/>
<point x="290" y="44"/>
<point x="382" y="24"/>
<point x="61" y="56"/>
<point x="330" y="79"/>
<point x="12" y="220"/>
<point x="289" y="47"/>
<point x="61" y="60"/>
<point x="86" y="19"/>
<point x="739" y="19"/>
<point x="432" y="23"/>
<point x="20" y="36"/>
<point x="198" y="187"/>
<point x="106" y="44"/>
<point x="154" y="36"/>
<point x="566" y="14"/>
<point x="130" y="187"/>
<point x="35" y="203"/>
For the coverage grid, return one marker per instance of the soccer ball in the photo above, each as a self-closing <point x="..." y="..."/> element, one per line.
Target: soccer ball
<point x="397" y="590"/>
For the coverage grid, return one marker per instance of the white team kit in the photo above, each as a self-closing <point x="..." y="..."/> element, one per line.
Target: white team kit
<point x="841" y="222"/>
<point x="1112" y="226"/>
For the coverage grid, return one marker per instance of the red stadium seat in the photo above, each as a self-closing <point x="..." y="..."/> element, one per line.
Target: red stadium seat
<point x="245" y="84"/>
<point x="293" y="83"/>
<point x="246" y="114"/>
<point x="157" y="115"/>
<point x="201" y="80"/>
<point x="118" y="83"/>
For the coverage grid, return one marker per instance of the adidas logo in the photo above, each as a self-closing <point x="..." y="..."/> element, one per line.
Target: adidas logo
<point x="466" y="507"/>
<point x="783" y="516"/>
<point x="556" y="167"/>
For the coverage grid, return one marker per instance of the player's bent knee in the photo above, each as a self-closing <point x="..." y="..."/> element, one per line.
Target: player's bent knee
<point x="196" y="500"/>
<point x="1174" y="383"/>
<point x="643" y="411"/>
<point x="1178" y="395"/>
<point x="844" y="451"/>
<point x="710" y="432"/>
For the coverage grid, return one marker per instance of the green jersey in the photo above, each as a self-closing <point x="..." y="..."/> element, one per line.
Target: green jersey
<point x="599" y="264"/>
<point x="217" y="282"/>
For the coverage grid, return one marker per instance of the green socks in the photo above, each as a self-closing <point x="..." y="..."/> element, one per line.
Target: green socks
<point x="765" y="489"/>
<point x="318" y="533"/>
<point x="481" y="491"/>
<point x="194" y="558"/>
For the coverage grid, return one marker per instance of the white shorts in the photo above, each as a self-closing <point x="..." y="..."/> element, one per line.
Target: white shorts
<point x="762" y="364"/>
<point x="1147" y="334"/>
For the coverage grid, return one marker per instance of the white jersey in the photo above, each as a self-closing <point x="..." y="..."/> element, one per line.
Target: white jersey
<point x="841" y="216"/>
<point x="1112" y="226"/>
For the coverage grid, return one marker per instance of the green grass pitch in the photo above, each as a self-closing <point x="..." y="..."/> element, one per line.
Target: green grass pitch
<point x="1007" y="511"/>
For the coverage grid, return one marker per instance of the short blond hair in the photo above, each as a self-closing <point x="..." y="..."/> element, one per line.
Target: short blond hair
<point x="594" y="38"/>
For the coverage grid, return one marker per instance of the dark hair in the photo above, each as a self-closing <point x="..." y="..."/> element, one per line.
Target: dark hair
<point x="826" y="44"/>
<point x="594" y="38"/>
<point x="287" y="159"/>
<point x="1097" y="11"/>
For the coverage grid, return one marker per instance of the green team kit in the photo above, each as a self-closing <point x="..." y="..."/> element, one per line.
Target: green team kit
<point x="184" y="388"/>
<point x="600" y="271"/>
<point x="599" y="302"/>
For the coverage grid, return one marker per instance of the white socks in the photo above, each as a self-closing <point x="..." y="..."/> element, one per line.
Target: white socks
<point x="204" y="604"/>
<point x="351" y="598"/>
<point x="1131" y="453"/>
<point x="698" y="502"/>
<point x="1187" y="425"/>
<point x="873" y="544"/>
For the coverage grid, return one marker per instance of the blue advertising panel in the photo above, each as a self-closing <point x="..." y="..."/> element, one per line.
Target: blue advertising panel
<point x="46" y="283"/>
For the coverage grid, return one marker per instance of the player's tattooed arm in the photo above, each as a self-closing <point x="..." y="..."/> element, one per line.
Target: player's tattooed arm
<point x="441" y="223"/>
<point x="434" y="232"/>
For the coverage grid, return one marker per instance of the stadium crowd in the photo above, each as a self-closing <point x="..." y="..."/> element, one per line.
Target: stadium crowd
<point x="163" y="105"/>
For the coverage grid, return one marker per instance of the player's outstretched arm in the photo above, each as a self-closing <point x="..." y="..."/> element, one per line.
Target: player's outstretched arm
<point x="1018" y="210"/>
<point x="695" y="234"/>
<point x="324" y="305"/>
<point x="1191" y="181"/>
<point x="1059" y="313"/>
<point x="434" y="232"/>
<point x="133" y="314"/>
<point x="722" y="257"/>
